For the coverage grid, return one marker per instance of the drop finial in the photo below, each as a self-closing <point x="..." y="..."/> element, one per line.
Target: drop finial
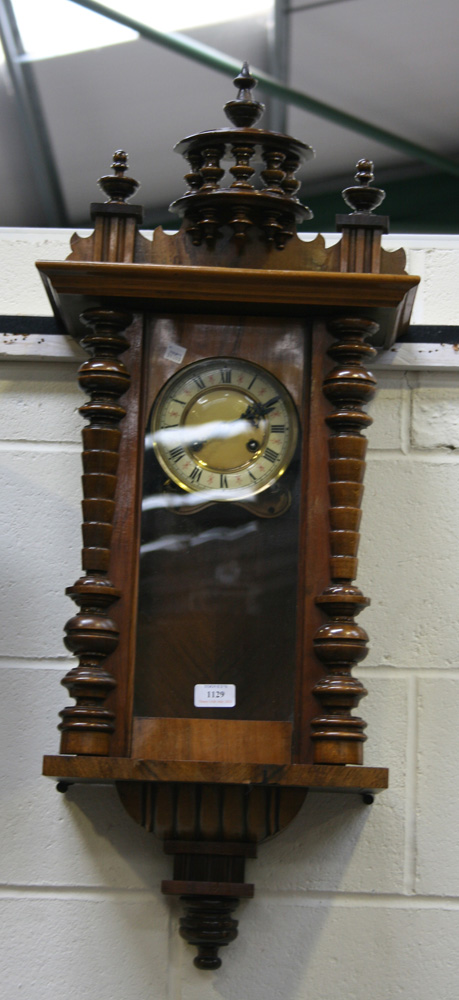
<point x="243" y="112"/>
<point x="118" y="186"/>
<point x="363" y="197"/>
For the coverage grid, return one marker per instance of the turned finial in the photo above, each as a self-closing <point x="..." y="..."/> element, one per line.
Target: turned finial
<point x="118" y="186"/>
<point x="243" y="112"/>
<point x="363" y="197"/>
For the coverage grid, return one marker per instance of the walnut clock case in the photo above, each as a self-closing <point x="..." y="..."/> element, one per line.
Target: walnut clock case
<point x="223" y="466"/>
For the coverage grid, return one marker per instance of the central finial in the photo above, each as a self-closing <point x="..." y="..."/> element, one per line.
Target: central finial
<point x="250" y="201"/>
<point x="244" y="112"/>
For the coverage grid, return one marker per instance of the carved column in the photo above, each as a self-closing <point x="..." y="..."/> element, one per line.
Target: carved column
<point x="340" y="643"/>
<point x="91" y="634"/>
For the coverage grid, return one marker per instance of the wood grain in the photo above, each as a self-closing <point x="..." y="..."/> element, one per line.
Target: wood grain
<point x="180" y="286"/>
<point x="342" y="778"/>
<point x="223" y="740"/>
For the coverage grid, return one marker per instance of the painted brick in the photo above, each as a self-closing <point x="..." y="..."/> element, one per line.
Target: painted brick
<point x="435" y="418"/>
<point x="22" y="290"/>
<point x="83" y="838"/>
<point x="386" y="411"/>
<point x="437" y="264"/>
<point x="409" y="558"/>
<point x="438" y="804"/>
<point x="109" y="949"/>
<point x="40" y="530"/>
<point x="333" y="953"/>
<point x="40" y="402"/>
<point x="441" y="268"/>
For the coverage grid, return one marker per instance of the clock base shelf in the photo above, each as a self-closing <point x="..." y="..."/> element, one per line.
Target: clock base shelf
<point x="326" y="777"/>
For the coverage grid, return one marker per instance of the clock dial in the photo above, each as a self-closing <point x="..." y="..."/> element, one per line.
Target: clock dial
<point x="224" y="425"/>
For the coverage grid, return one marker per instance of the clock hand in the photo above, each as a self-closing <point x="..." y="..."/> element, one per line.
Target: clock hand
<point x="270" y="404"/>
<point x="256" y="411"/>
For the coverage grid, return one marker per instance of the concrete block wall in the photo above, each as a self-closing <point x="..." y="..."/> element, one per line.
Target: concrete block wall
<point x="351" y="901"/>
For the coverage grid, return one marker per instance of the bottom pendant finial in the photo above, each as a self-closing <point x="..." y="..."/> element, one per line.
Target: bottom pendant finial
<point x="208" y="925"/>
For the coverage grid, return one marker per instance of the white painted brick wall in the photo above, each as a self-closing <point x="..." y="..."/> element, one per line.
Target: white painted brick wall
<point x="351" y="901"/>
<point x="434" y="419"/>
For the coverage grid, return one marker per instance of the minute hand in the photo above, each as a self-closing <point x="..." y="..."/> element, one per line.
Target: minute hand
<point x="256" y="411"/>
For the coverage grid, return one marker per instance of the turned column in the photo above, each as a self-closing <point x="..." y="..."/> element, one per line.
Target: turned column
<point x="91" y="634"/>
<point x="338" y="736"/>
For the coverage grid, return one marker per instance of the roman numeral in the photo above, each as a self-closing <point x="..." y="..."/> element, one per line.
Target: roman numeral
<point x="176" y="453"/>
<point x="271" y="455"/>
<point x="199" y="382"/>
<point x="196" y="475"/>
<point x="181" y="401"/>
<point x="226" y="374"/>
<point x="223" y="482"/>
<point x="278" y="428"/>
<point x="253" y="380"/>
<point x="253" y="478"/>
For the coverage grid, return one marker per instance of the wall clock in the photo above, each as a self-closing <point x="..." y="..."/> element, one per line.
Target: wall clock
<point x="223" y="468"/>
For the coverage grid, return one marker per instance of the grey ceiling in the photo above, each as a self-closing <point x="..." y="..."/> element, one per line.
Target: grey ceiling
<point x="391" y="62"/>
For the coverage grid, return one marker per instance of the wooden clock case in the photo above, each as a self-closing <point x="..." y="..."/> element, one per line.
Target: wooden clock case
<point x="235" y="281"/>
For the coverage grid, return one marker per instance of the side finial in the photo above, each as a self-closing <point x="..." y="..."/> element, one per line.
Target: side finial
<point x="364" y="197"/>
<point x="117" y="186"/>
<point x="244" y="112"/>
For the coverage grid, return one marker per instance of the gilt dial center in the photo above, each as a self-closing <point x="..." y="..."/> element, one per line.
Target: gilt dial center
<point x="223" y="432"/>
